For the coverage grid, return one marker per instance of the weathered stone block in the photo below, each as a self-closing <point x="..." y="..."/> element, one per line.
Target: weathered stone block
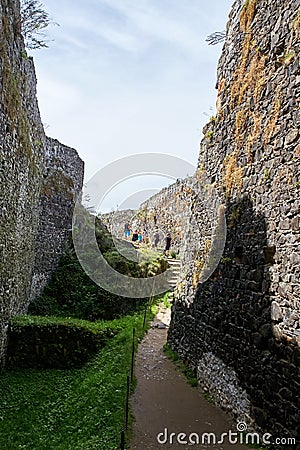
<point x="291" y="136"/>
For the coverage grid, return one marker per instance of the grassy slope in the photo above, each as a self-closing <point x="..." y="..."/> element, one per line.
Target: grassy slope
<point x="71" y="293"/>
<point x="80" y="409"/>
<point x="72" y="409"/>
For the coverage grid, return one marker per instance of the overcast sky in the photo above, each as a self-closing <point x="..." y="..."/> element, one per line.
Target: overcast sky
<point x="129" y="76"/>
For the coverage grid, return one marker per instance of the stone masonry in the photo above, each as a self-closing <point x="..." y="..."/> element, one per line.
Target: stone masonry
<point x="29" y="197"/>
<point x="240" y="328"/>
<point x="62" y="184"/>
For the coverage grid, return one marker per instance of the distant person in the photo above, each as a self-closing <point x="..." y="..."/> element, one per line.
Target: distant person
<point x="156" y="238"/>
<point x="135" y="236"/>
<point x="144" y="236"/>
<point x="168" y="244"/>
<point x="126" y="230"/>
<point x="140" y="237"/>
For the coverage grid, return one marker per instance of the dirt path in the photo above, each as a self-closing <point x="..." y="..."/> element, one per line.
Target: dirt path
<point x="164" y="400"/>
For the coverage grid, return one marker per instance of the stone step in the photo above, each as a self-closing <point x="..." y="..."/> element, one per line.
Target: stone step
<point x="175" y="269"/>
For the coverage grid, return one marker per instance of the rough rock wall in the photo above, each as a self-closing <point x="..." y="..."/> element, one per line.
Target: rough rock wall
<point x="240" y="328"/>
<point x="22" y="160"/>
<point x="22" y="165"/>
<point x="168" y="211"/>
<point x="62" y="185"/>
<point x="115" y="221"/>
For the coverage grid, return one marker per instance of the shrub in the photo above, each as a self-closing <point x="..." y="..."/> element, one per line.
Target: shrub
<point x="72" y="293"/>
<point x="49" y="342"/>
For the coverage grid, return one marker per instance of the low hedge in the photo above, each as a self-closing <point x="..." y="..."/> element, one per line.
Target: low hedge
<point x="50" y="342"/>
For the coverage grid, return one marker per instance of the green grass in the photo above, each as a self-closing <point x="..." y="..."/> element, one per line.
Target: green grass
<point x="208" y="397"/>
<point x="166" y="299"/>
<point x="27" y="320"/>
<point x="71" y="293"/>
<point x="80" y="409"/>
<point x="77" y="409"/>
<point x="173" y="356"/>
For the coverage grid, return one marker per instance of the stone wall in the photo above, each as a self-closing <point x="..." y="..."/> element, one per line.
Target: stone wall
<point x="22" y="165"/>
<point x="168" y="212"/>
<point x="22" y="160"/>
<point x="115" y="221"/>
<point x="62" y="184"/>
<point x="242" y="323"/>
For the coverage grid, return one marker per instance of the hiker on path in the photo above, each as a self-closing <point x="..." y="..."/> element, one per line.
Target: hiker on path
<point x="168" y="244"/>
<point x="144" y="237"/>
<point x="135" y="236"/>
<point x="156" y="238"/>
<point x="126" y="230"/>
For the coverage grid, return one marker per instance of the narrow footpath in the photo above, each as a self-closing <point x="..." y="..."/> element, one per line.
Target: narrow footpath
<point x="164" y="400"/>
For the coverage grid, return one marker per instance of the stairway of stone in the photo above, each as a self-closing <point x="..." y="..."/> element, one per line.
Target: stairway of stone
<point x="175" y="266"/>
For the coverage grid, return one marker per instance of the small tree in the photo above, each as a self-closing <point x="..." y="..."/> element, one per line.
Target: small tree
<point x="34" y="20"/>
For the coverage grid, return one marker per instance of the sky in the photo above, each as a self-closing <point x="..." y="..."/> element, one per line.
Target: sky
<point x="124" y="77"/>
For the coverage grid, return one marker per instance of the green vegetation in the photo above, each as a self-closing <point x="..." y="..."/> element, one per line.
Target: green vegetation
<point x="226" y="260"/>
<point x="80" y="409"/>
<point x="267" y="175"/>
<point x="166" y="300"/>
<point x="208" y="397"/>
<point x="209" y="135"/>
<point x="13" y="84"/>
<point x="78" y="351"/>
<point x="71" y="293"/>
<point x="235" y="216"/>
<point x="173" y="356"/>
<point x="151" y="262"/>
<point x="34" y="20"/>
<point x="173" y="254"/>
<point x="51" y="342"/>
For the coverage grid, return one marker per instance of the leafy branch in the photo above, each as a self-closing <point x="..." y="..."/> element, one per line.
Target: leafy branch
<point x="34" y="20"/>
